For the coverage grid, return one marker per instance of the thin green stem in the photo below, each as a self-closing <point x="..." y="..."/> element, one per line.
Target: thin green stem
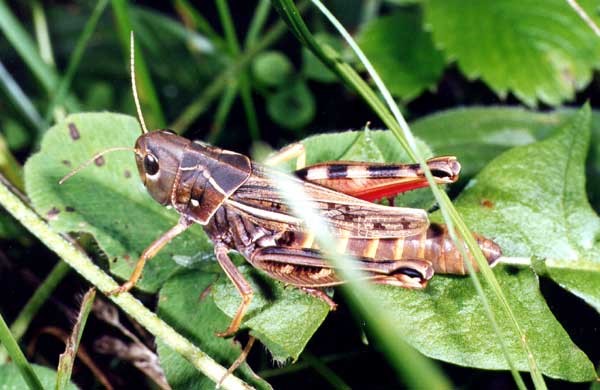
<point x="225" y="104"/>
<point x="194" y="20"/>
<point x="332" y="59"/>
<point x="21" y="100"/>
<point x="244" y="81"/>
<point x="22" y="42"/>
<point x="228" y="28"/>
<point x="451" y="216"/>
<point x="127" y="302"/>
<point x="18" y="357"/>
<point x="249" y="109"/>
<point x="399" y="127"/>
<point x="449" y="213"/>
<point x="147" y="92"/>
<point x="18" y="37"/>
<point x="41" y="33"/>
<point x="261" y="13"/>
<point x="65" y="83"/>
<point x="39" y="297"/>
<point x="417" y="370"/>
<point x="201" y="103"/>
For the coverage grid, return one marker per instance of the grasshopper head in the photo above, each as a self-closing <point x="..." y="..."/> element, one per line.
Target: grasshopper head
<point x="158" y="156"/>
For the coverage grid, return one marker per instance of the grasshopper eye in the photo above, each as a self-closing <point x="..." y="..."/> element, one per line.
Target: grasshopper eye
<point x="150" y="165"/>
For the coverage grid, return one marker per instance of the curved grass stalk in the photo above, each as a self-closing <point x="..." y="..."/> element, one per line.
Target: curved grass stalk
<point x="18" y="357"/>
<point x="417" y="370"/>
<point x="130" y="305"/>
<point x="402" y="132"/>
<point x="147" y="90"/>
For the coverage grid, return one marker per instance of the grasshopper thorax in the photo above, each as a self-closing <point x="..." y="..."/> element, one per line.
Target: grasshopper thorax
<point x="193" y="177"/>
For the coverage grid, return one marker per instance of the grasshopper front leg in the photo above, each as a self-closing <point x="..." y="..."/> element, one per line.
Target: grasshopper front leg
<point x="150" y="252"/>
<point x="242" y="286"/>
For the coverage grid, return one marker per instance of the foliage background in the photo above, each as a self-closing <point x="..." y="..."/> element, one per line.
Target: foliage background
<point x="433" y="55"/>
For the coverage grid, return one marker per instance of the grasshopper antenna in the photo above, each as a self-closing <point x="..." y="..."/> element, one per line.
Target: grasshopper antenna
<point x="96" y="156"/>
<point x="134" y="87"/>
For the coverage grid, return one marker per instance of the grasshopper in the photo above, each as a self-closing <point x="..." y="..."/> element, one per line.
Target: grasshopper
<point x="241" y="209"/>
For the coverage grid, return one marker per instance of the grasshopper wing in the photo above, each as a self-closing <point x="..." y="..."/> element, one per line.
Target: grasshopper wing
<point x="260" y="201"/>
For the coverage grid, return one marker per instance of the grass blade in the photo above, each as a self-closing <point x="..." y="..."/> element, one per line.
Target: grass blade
<point x="147" y="92"/>
<point x="21" y="100"/>
<point x="17" y="356"/>
<point x="451" y="217"/>
<point x="19" y="38"/>
<point x="67" y="359"/>
<point x="244" y="81"/>
<point x="57" y="98"/>
<point x="22" y="42"/>
<point x="345" y="72"/>
<point x="261" y="13"/>
<point x="225" y="104"/>
<point x="417" y="370"/>
<point x="41" y="33"/>
<point x="194" y="20"/>
<point x="41" y="295"/>
<point x="227" y="99"/>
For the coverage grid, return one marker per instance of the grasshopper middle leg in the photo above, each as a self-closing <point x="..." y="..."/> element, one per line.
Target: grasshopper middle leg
<point x="241" y="285"/>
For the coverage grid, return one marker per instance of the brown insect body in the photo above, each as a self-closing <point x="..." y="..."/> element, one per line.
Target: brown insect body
<point x="242" y="210"/>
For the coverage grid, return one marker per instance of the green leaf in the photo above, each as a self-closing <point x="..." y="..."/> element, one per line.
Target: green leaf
<point x="478" y="134"/>
<point x="402" y="53"/>
<point x="107" y="201"/>
<point x="10" y="379"/>
<point x="272" y="68"/>
<point x="283" y="319"/>
<point x="537" y="207"/>
<point x="292" y="106"/>
<point x="184" y="300"/>
<point x="446" y="321"/>
<point x="539" y="52"/>
<point x="516" y="200"/>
